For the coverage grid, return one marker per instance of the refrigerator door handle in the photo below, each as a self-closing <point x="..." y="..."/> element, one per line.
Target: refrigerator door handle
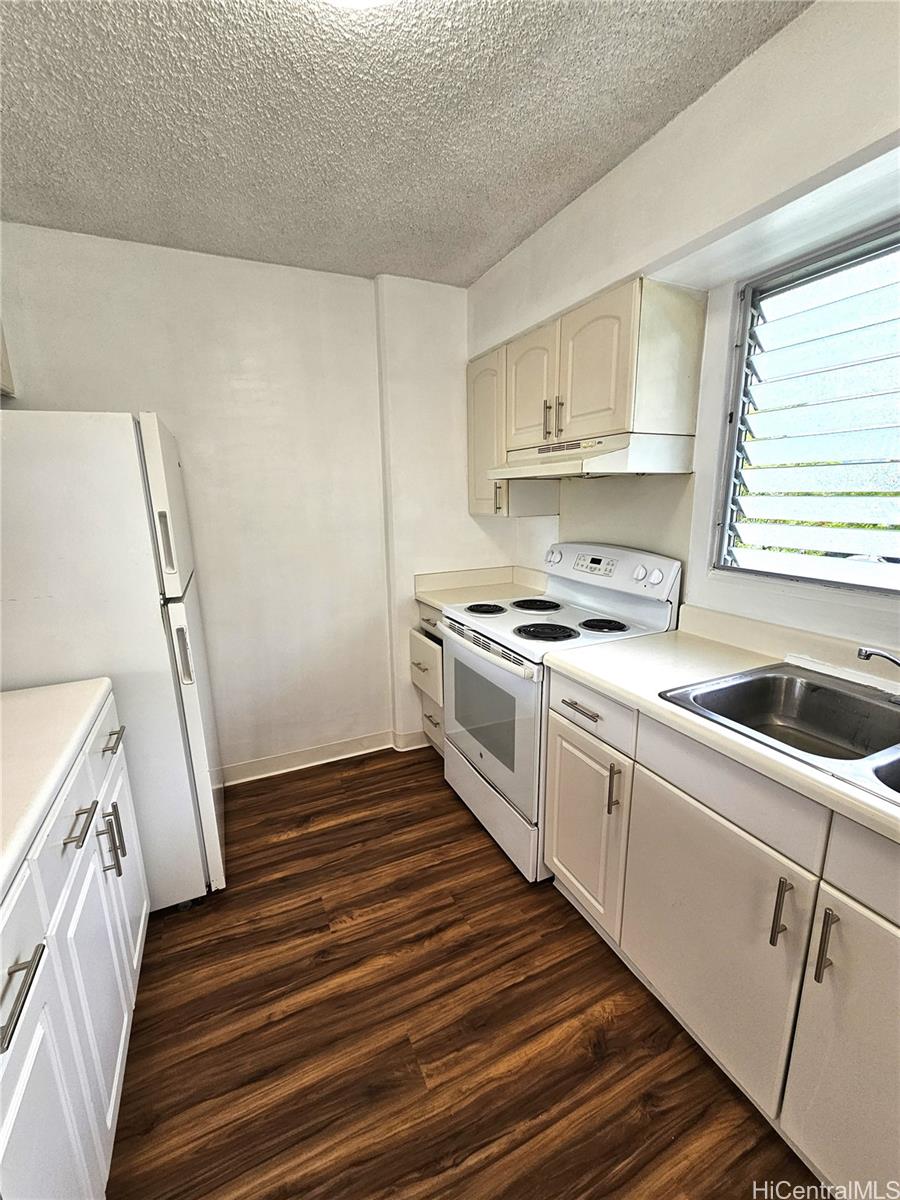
<point x="185" y="662"/>
<point x="165" y="537"/>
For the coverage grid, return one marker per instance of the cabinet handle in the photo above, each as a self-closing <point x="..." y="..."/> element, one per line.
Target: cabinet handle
<point x="784" y="886"/>
<point x="120" y="833"/>
<point x="78" y="839"/>
<point x="112" y="746"/>
<point x="611" y="800"/>
<point x="429" y="621"/>
<point x="420" y="667"/>
<point x="823" y="962"/>
<point x="431" y="721"/>
<point x="110" y="830"/>
<point x="29" y="970"/>
<point x="497" y="504"/>
<point x="548" y="409"/>
<point x="559" y="411"/>
<point x="582" y="712"/>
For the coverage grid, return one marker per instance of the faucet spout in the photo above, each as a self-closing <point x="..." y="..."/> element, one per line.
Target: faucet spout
<point x="867" y="652"/>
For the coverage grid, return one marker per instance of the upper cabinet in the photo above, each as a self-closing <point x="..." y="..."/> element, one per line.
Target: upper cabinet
<point x="597" y="365"/>
<point x="486" y="389"/>
<point x="532" y="370"/>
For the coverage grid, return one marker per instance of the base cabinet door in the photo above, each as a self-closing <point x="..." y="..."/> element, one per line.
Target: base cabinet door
<point x="86" y="939"/>
<point x="532" y="369"/>
<point x="130" y="886"/>
<point x="598" y="361"/>
<point x="486" y="407"/>
<point x="842" y="1101"/>
<point x="719" y="923"/>
<point x="586" y="827"/>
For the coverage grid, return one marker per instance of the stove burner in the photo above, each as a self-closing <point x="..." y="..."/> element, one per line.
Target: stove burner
<point x="546" y="631"/>
<point x="485" y="610"/>
<point x="536" y="604"/>
<point x="603" y="625"/>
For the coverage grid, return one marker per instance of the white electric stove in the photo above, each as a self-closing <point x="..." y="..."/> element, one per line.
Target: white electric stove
<point x="493" y="676"/>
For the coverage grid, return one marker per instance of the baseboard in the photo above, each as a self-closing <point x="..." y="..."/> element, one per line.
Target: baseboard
<point x="280" y="764"/>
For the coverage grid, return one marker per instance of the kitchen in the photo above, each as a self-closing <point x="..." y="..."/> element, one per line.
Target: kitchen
<point x="512" y="905"/>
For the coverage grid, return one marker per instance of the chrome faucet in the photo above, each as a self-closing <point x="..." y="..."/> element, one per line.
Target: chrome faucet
<point x="867" y="652"/>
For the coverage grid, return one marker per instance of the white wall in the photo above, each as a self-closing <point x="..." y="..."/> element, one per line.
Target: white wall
<point x="817" y="95"/>
<point x="422" y="358"/>
<point x="268" y="377"/>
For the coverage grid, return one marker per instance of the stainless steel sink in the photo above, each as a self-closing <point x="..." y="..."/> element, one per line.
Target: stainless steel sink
<point x="848" y="729"/>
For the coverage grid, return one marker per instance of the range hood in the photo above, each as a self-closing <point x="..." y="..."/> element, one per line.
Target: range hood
<point x="618" y="454"/>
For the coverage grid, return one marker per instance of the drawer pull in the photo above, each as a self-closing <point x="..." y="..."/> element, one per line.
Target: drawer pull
<point x="611" y="800"/>
<point x="429" y="621"/>
<point x="431" y="721"/>
<point x="78" y="839"/>
<point x="29" y="970"/>
<point x="784" y="886"/>
<point x="113" y="745"/>
<point x="109" y="830"/>
<point x="420" y="667"/>
<point x="823" y="962"/>
<point x="582" y="712"/>
<point x="120" y="832"/>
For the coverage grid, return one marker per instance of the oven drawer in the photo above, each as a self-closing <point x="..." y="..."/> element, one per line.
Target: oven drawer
<point x="426" y="665"/>
<point x="608" y="720"/>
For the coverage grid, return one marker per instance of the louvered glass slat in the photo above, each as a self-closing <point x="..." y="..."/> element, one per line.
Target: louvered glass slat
<point x="861" y="379"/>
<point x="853" y="312"/>
<point x="828" y="539"/>
<point x="816" y="490"/>
<point x="837" y="416"/>
<point x="862" y="445"/>
<point x="858" y="345"/>
<point x="852" y="477"/>
<point x="859" y="572"/>
<point x="851" y="510"/>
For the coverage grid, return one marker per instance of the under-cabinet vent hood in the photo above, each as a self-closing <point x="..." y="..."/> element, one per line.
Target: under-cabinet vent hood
<point x="618" y="454"/>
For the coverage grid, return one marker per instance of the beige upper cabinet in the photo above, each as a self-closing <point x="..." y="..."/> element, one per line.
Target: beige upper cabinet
<point x="597" y="364"/>
<point x="485" y="384"/>
<point x="532" y="370"/>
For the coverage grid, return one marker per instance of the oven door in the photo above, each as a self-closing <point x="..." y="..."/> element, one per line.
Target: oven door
<point x="492" y="716"/>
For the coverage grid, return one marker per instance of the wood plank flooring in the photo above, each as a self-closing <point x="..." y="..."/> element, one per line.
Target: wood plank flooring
<point x="378" y="1006"/>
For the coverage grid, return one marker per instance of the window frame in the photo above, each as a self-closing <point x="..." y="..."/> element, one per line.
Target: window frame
<point x="804" y="269"/>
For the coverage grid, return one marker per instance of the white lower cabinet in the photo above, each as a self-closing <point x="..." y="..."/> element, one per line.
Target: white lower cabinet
<point x="842" y="1101"/>
<point x="718" y="922"/>
<point x="129" y="882"/>
<point x="586" y="824"/>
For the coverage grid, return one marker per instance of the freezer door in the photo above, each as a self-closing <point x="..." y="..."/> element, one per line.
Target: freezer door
<point x="186" y="628"/>
<point x="170" y="515"/>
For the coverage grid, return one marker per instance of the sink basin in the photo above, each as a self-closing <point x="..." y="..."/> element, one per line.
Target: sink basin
<point x="817" y="718"/>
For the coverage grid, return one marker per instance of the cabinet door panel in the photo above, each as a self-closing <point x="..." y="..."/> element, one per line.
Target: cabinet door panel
<point x="842" y="1101"/>
<point x="699" y="909"/>
<point x="130" y="889"/>
<point x="532" y="369"/>
<point x="46" y="1147"/>
<point x="87" y="942"/>
<point x="585" y="842"/>
<point x="598" y="355"/>
<point x="486" y="390"/>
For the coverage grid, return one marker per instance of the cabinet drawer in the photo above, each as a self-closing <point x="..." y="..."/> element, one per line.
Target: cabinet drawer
<point x="429" y="617"/>
<point x="608" y="720"/>
<point x="426" y="665"/>
<point x="433" y="721"/>
<point x="865" y="865"/>
<point x="22" y="931"/>
<point x="105" y="743"/>
<point x="52" y="855"/>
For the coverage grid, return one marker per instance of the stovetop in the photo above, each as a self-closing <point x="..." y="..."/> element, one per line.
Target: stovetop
<point x="597" y="594"/>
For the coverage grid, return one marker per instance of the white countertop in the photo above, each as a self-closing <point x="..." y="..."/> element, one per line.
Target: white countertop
<point x="634" y="671"/>
<point x="41" y="731"/>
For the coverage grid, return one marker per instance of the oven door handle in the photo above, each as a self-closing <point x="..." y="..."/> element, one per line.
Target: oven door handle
<point x="524" y="672"/>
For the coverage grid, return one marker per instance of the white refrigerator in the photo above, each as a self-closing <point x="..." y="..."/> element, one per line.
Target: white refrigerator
<point x="97" y="578"/>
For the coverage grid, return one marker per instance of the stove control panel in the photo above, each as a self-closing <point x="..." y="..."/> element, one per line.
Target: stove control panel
<point x="596" y="565"/>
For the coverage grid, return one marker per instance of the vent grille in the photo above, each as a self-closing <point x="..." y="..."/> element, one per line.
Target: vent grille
<point x="483" y="644"/>
<point x="557" y="447"/>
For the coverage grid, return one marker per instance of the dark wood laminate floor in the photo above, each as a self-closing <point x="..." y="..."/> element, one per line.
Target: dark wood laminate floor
<point x="379" y="1006"/>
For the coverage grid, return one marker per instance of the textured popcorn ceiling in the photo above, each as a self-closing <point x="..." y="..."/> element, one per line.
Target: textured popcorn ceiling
<point x="419" y="137"/>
